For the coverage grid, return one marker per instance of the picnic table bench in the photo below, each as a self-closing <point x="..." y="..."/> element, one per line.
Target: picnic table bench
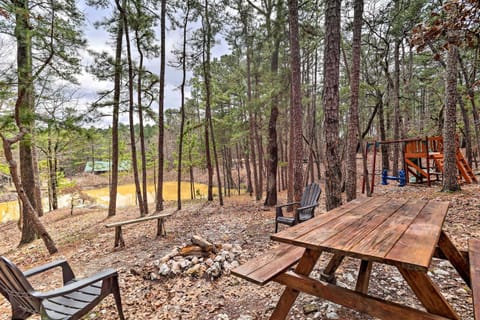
<point x="403" y="233"/>
<point x="161" y="231"/>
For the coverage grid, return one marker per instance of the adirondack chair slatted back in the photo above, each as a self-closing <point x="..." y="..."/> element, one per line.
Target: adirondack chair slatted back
<point x="310" y="196"/>
<point x="15" y="287"/>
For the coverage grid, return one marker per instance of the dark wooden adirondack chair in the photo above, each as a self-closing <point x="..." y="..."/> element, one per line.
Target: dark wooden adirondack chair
<point x="72" y="301"/>
<point x="306" y="208"/>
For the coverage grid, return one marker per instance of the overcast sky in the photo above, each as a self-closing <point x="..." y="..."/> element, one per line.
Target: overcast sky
<point x="99" y="40"/>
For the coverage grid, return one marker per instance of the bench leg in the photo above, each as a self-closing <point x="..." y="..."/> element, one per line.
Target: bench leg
<point x="161" y="230"/>
<point x="119" y="242"/>
<point x="304" y="267"/>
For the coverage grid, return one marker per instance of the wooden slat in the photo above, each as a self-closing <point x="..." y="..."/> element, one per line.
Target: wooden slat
<point x="363" y="303"/>
<point x="474" y="252"/>
<point x="94" y="289"/>
<point x="316" y="238"/>
<point x="122" y="223"/>
<point x="381" y="242"/>
<point x="263" y="268"/>
<point x="290" y="234"/>
<point x="355" y="232"/>
<point x="81" y="296"/>
<point x="417" y="245"/>
<point x="60" y="308"/>
<point x="73" y="303"/>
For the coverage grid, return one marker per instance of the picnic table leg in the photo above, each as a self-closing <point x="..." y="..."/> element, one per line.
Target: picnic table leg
<point x="428" y="293"/>
<point x="119" y="242"/>
<point x="455" y="257"/>
<point x="363" y="276"/>
<point x="304" y="267"/>
<point x="328" y="273"/>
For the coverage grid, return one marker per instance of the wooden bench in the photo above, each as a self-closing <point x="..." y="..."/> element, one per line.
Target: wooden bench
<point x="161" y="231"/>
<point x="474" y="257"/>
<point x="264" y="268"/>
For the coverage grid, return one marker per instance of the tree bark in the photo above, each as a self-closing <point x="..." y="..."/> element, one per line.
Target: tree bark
<point x="353" y="122"/>
<point x="112" y="204"/>
<point x="333" y="172"/>
<point x="450" y="179"/>
<point x="161" y="102"/>
<point x="295" y="163"/>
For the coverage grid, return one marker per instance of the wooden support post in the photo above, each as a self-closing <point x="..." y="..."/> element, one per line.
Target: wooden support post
<point x="161" y="231"/>
<point x="119" y="242"/>
<point x="304" y="267"/>
<point x="428" y="293"/>
<point x="455" y="257"/>
<point x="363" y="276"/>
<point x="373" y="165"/>
<point x="328" y="273"/>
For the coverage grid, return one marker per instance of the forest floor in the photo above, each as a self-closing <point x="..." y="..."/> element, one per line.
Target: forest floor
<point x="83" y="240"/>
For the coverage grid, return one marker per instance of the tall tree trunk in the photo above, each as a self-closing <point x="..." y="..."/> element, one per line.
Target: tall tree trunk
<point x="161" y="102"/>
<point x="182" y="107"/>
<point x="143" y="152"/>
<point x="450" y="179"/>
<point x="112" y="204"/>
<point x="131" y="110"/>
<point x="353" y="122"/>
<point x="24" y="113"/>
<point x="295" y="163"/>
<point x="272" y="149"/>
<point x="206" y="77"/>
<point x="333" y="172"/>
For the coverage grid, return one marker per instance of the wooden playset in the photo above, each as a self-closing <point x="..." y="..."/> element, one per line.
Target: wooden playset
<point x="423" y="160"/>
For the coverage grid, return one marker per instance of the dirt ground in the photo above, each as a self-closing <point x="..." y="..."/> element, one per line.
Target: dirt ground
<point x="83" y="240"/>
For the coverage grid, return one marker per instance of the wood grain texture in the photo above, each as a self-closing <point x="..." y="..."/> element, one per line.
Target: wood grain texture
<point x="263" y="268"/>
<point x="416" y="246"/>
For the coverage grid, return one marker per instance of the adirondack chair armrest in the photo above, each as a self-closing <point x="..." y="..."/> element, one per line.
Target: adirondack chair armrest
<point x="67" y="272"/>
<point x="278" y="209"/>
<point x="74" y="286"/>
<point x="307" y="207"/>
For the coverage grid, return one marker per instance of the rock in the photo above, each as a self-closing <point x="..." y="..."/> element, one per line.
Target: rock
<point x="440" y="272"/>
<point x="164" y="270"/>
<point x="245" y="317"/>
<point x="235" y="264"/>
<point x="185" y="263"/>
<point x="196" y="270"/>
<point x="332" y="315"/>
<point x="310" y="308"/>
<point x="349" y="277"/>
<point x="176" y="267"/>
<point x="228" y="247"/>
<point x="195" y="260"/>
<point x="222" y="316"/>
<point x="317" y="315"/>
<point x="209" y="262"/>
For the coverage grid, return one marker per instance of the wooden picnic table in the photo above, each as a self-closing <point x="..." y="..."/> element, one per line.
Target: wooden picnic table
<point x="399" y="232"/>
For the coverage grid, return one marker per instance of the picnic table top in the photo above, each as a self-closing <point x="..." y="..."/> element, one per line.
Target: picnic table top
<point x="400" y="232"/>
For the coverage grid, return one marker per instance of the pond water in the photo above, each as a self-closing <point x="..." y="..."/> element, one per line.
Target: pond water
<point x="125" y="197"/>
